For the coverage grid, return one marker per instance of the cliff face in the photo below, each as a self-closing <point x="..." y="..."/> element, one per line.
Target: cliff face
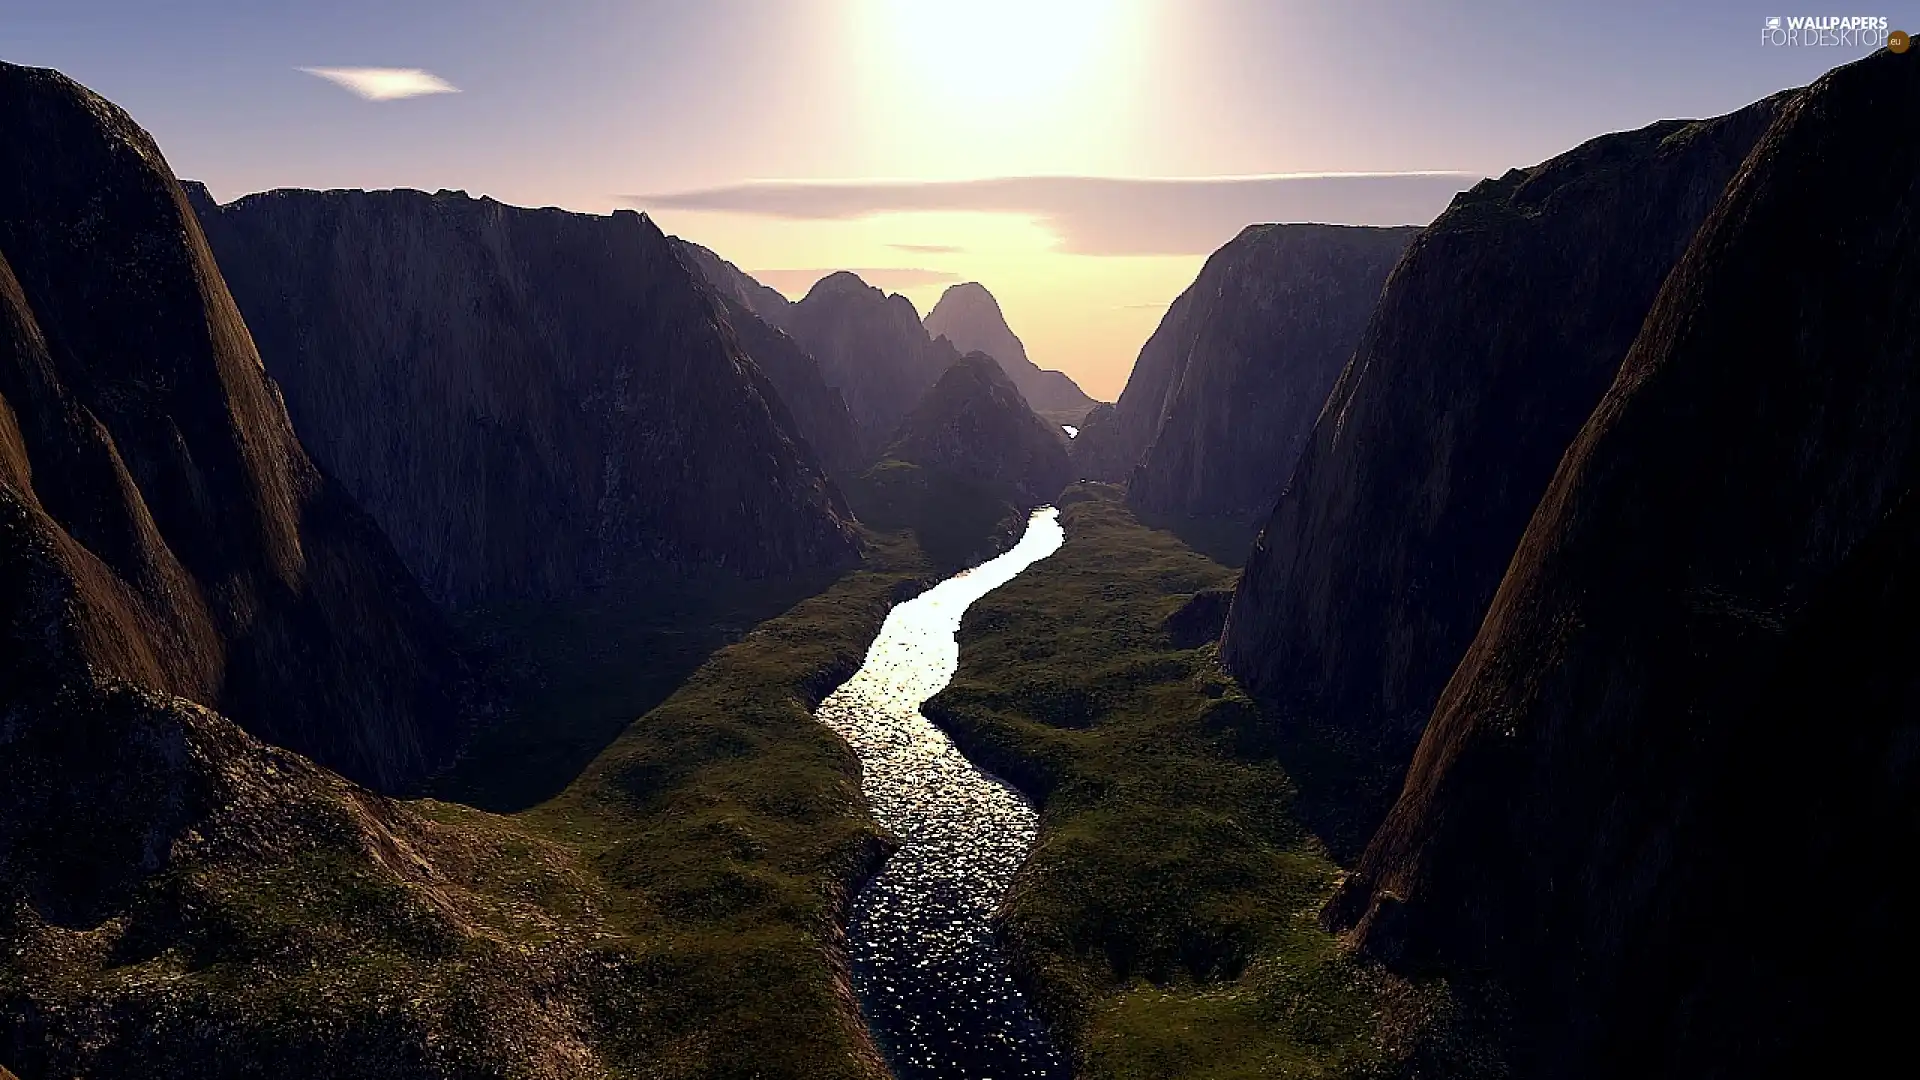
<point x="872" y="348"/>
<point x="528" y="401"/>
<point x="970" y="317"/>
<point x="819" y="412"/>
<point x="975" y="425"/>
<point x="1496" y="335"/>
<point x="1668" y="799"/>
<point x="159" y="521"/>
<point x="1275" y="316"/>
<point x="735" y="284"/>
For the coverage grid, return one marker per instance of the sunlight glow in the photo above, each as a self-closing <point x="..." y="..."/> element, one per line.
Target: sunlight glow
<point x="981" y="52"/>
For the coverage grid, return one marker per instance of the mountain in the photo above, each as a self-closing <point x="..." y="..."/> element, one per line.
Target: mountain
<point x="160" y="523"/>
<point x="1491" y="343"/>
<point x="975" y="425"/>
<point x="530" y="402"/>
<point x="970" y="317"/>
<point x="871" y="347"/>
<point x="756" y="313"/>
<point x="1667" y="802"/>
<point x="735" y="284"/>
<point x="1276" y="314"/>
<point x="820" y="414"/>
<point x="1226" y="311"/>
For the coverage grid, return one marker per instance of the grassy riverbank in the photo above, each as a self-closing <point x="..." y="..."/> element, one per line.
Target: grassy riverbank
<point x="1167" y="919"/>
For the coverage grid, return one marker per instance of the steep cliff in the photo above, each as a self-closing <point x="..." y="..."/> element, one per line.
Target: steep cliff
<point x="757" y="312"/>
<point x="872" y="348"/>
<point x="1496" y="335"/>
<point x="159" y="519"/>
<point x="530" y="402"/>
<point x="1276" y="315"/>
<point x="735" y="284"/>
<point x="975" y="425"/>
<point x="970" y="317"/>
<point x="1668" y="800"/>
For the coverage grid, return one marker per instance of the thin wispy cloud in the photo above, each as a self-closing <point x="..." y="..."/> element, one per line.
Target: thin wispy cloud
<point x="384" y="84"/>
<point x="928" y="249"/>
<point x="1104" y="215"/>
<point x="890" y="278"/>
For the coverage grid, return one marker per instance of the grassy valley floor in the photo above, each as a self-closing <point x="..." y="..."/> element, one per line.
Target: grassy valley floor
<point x="1167" y="921"/>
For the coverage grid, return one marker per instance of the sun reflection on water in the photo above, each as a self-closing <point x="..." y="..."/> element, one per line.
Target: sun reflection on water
<point x="931" y="980"/>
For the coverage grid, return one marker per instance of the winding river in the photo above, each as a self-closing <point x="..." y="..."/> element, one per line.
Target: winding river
<point x="932" y="983"/>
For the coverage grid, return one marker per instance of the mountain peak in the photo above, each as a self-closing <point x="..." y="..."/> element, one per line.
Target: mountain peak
<point x="969" y="316"/>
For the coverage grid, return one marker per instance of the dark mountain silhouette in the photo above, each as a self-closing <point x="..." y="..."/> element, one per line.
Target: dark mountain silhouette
<point x="970" y="317"/>
<point x="757" y="313"/>
<point x="1492" y="341"/>
<point x="1275" y="315"/>
<point x="975" y="425"/>
<point x="159" y="521"/>
<point x="530" y="402"/>
<point x="736" y="284"/>
<point x="1223" y="312"/>
<point x="1667" y="802"/>
<point x="872" y="348"/>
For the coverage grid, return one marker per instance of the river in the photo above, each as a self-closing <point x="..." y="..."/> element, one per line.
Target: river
<point x="933" y="985"/>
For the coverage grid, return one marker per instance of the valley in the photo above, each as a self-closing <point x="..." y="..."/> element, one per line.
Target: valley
<point x="443" y="639"/>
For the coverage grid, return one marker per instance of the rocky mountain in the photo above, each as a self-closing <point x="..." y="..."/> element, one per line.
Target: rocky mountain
<point x="757" y="313"/>
<point x="530" y="402"/>
<point x="872" y="348"/>
<point x="970" y="317"/>
<point x="735" y="284"/>
<point x="1665" y="803"/>
<point x="1493" y="340"/>
<point x="1291" y="281"/>
<point x="159" y="521"/>
<point x="975" y="425"/>
<point x="1275" y="315"/>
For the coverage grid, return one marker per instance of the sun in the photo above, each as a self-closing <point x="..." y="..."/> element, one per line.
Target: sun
<point x="980" y="53"/>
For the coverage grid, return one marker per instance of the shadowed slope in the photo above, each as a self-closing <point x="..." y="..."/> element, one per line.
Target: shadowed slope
<point x="1666" y="801"/>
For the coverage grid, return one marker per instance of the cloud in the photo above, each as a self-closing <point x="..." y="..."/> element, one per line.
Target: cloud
<point x="1102" y="215"/>
<point x="385" y="84"/>
<point x="891" y="278"/>
<point x="928" y="249"/>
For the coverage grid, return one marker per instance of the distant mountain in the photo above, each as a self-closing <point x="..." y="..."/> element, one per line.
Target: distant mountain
<point x="756" y="312"/>
<point x="872" y="347"/>
<point x="975" y="425"/>
<point x="1667" y="804"/>
<point x="1275" y="315"/>
<point x="160" y="523"/>
<point x="530" y="402"/>
<point x="1491" y="343"/>
<point x="970" y="317"/>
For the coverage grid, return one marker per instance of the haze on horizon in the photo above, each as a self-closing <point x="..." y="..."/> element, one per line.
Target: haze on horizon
<point x="1079" y="157"/>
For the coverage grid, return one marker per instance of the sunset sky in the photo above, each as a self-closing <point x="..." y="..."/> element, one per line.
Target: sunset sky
<point x="1079" y="157"/>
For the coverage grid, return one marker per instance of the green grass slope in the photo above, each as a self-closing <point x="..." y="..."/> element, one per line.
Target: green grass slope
<point x="1167" y="921"/>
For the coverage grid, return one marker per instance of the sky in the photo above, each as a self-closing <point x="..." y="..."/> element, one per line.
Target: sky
<point x="1079" y="157"/>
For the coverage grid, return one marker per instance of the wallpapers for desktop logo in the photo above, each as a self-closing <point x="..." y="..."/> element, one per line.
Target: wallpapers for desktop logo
<point x="1850" y="31"/>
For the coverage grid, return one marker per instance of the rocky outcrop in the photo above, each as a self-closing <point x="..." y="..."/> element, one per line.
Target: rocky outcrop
<point x="1667" y="801"/>
<point x="974" y="425"/>
<point x="1491" y="343"/>
<point x="970" y="317"/>
<point x="1275" y="315"/>
<point x="872" y="348"/>
<point x="159" y="521"/>
<point x="179" y="901"/>
<point x="530" y="402"/>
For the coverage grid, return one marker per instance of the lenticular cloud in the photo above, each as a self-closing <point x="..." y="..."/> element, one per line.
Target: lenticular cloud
<point x="385" y="84"/>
